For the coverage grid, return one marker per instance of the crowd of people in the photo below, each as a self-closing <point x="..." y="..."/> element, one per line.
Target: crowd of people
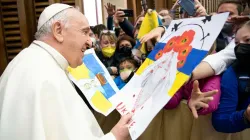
<point x="219" y="85"/>
<point x="38" y="101"/>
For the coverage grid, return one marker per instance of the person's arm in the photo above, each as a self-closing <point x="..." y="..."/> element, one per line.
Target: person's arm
<point x="215" y="64"/>
<point x="212" y="83"/>
<point x="226" y="118"/>
<point x="156" y="33"/>
<point x="117" y="31"/>
<point x="175" y="100"/>
<point x="110" y="22"/>
<point x="127" y="27"/>
<point x="203" y="70"/>
<point x="111" y="9"/>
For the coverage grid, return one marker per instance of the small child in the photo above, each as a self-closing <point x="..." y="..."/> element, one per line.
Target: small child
<point x="127" y="67"/>
<point x="205" y="85"/>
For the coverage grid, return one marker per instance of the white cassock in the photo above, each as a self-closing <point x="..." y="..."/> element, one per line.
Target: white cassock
<point x="39" y="102"/>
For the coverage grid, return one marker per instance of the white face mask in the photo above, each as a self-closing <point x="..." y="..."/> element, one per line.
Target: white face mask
<point x="93" y="40"/>
<point x="125" y="74"/>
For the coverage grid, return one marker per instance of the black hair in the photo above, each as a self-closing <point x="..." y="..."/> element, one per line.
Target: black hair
<point x="130" y="60"/>
<point x="238" y="3"/>
<point x="98" y="29"/>
<point x="125" y="37"/>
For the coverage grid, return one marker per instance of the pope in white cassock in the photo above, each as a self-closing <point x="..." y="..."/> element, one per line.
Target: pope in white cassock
<point x="37" y="99"/>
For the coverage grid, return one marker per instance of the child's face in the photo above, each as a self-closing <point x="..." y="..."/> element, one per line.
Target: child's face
<point x="126" y="65"/>
<point x="126" y="69"/>
<point x="243" y="35"/>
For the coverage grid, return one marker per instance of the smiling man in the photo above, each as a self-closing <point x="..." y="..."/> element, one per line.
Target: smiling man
<point x="37" y="99"/>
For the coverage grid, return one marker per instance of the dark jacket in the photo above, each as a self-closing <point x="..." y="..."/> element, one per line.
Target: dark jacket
<point x="126" y="26"/>
<point x="108" y="62"/>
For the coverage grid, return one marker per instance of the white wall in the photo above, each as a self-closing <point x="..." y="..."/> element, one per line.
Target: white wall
<point x="91" y="12"/>
<point x="118" y="3"/>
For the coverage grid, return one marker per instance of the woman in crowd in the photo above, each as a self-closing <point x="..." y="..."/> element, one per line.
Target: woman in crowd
<point x="124" y="46"/>
<point x="233" y="113"/>
<point x="108" y="48"/>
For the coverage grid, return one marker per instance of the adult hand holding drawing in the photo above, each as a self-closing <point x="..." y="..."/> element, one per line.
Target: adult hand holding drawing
<point x="120" y="130"/>
<point x="155" y="33"/>
<point x="199" y="99"/>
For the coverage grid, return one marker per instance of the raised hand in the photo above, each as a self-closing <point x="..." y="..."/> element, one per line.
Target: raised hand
<point x="111" y="9"/>
<point x="199" y="99"/>
<point x="200" y="10"/>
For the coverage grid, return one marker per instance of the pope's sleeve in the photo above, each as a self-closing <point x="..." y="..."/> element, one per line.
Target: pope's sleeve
<point x="55" y="122"/>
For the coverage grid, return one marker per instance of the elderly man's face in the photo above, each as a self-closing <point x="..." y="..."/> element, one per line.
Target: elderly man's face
<point x="76" y="38"/>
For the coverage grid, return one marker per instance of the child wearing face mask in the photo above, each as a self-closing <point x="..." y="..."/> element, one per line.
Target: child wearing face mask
<point x="108" y="48"/>
<point x="233" y="113"/>
<point x="205" y="85"/>
<point x="127" y="68"/>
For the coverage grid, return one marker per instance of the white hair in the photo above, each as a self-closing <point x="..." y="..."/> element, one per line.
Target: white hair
<point x="62" y="17"/>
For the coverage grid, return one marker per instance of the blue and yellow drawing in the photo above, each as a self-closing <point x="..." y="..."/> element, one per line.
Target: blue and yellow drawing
<point x="188" y="57"/>
<point x="89" y="70"/>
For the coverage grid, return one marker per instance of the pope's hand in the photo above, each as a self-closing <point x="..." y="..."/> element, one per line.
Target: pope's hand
<point x="120" y="130"/>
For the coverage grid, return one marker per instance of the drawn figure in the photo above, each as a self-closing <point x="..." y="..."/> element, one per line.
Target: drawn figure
<point x="158" y="78"/>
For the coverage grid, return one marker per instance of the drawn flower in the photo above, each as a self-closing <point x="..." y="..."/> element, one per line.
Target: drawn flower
<point x="171" y="43"/>
<point x="159" y="55"/>
<point x="184" y="53"/>
<point x="185" y="40"/>
<point x="181" y="63"/>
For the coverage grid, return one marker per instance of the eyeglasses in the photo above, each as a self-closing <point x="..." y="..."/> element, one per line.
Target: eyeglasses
<point x="107" y="31"/>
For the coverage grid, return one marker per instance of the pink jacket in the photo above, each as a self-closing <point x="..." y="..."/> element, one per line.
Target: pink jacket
<point x="208" y="84"/>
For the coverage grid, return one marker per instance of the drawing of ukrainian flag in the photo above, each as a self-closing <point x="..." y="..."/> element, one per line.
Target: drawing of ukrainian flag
<point x="183" y="73"/>
<point x="150" y="22"/>
<point x="199" y="35"/>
